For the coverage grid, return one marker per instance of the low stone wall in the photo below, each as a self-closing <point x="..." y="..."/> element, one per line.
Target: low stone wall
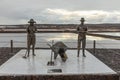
<point x="62" y="77"/>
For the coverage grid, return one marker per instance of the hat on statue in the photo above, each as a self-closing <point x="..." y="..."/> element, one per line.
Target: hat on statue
<point x="31" y="21"/>
<point x="82" y="20"/>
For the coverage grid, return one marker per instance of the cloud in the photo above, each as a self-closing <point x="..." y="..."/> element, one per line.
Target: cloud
<point x="59" y="16"/>
<point x="59" y="11"/>
<point x="91" y="16"/>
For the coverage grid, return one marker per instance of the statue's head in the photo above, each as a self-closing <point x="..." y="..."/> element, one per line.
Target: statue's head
<point x="31" y="21"/>
<point x="82" y="20"/>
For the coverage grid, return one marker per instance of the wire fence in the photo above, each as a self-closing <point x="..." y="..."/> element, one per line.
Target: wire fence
<point x="42" y="40"/>
<point x="70" y="44"/>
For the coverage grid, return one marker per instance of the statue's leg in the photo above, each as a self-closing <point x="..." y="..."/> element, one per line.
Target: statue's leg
<point x="33" y="45"/>
<point x="79" y="45"/>
<point x="28" y="44"/>
<point x="55" y="55"/>
<point x="33" y="50"/>
<point x="64" y="57"/>
<point x="28" y="49"/>
<point x="83" y="47"/>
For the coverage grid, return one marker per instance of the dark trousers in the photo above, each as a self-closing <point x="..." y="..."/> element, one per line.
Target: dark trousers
<point x="83" y="42"/>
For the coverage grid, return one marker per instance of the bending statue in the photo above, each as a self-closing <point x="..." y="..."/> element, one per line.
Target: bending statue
<point x="59" y="48"/>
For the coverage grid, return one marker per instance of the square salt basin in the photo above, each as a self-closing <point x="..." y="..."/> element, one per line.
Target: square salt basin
<point x="37" y="65"/>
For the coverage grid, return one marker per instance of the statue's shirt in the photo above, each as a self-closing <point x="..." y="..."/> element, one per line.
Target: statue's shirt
<point x="31" y="30"/>
<point x="31" y="39"/>
<point x="81" y="30"/>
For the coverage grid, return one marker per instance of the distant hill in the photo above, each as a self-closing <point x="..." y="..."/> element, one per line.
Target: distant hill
<point x="62" y="26"/>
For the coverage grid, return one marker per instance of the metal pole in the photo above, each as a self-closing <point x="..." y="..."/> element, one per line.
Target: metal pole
<point x="51" y="63"/>
<point x="94" y="46"/>
<point x="11" y="46"/>
<point x="52" y="51"/>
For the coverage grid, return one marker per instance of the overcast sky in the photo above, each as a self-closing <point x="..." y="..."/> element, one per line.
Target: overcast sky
<point x="59" y="11"/>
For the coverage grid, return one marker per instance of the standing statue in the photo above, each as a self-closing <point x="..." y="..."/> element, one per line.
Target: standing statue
<point x="31" y="38"/>
<point x="81" y="30"/>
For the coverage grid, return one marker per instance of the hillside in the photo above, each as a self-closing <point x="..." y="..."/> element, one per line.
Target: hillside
<point x="91" y="27"/>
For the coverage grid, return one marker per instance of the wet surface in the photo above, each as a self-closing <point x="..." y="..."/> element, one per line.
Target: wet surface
<point x="38" y="65"/>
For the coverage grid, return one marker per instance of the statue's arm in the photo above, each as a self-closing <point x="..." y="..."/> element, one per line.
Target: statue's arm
<point x="35" y="29"/>
<point x="86" y="29"/>
<point x="77" y="29"/>
<point x="27" y="29"/>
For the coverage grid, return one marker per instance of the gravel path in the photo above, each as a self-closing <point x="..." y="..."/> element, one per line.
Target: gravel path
<point x="110" y="57"/>
<point x="5" y="54"/>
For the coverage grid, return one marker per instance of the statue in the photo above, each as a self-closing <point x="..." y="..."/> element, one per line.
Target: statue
<point x="81" y="30"/>
<point x="31" y="38"/>
<point x="59" y="48"/>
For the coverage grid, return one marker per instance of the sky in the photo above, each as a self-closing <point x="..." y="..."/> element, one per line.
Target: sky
<point x="59" y="11"/>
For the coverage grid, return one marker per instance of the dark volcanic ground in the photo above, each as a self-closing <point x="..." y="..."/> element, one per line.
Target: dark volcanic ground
<point x="5" y="54"/>
<point x="110" y="57"/>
